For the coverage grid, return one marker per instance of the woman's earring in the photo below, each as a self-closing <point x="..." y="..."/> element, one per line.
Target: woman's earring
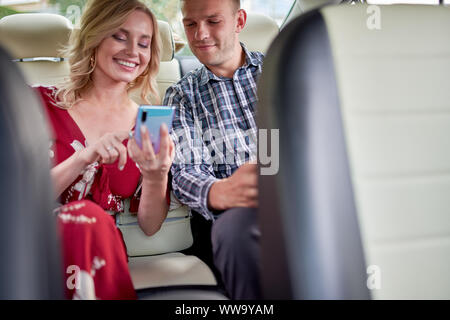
<point x="92" y="63"/>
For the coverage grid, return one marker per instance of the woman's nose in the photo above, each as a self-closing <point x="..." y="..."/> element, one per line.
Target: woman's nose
<point x="132" y="48"/>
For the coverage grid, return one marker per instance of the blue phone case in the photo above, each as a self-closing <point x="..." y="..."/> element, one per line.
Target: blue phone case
<point x="153" y="117"/>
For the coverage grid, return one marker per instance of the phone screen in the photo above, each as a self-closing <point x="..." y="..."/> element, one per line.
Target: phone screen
<point x="153" y="117"/>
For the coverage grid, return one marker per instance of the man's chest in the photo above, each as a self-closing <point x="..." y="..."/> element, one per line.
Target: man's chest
<point x="226" y="105"/>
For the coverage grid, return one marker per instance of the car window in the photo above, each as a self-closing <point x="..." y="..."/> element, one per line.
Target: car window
<point x="404" y="1"/>
<point x="277" y="9"/>
<point x="164" y="9"/>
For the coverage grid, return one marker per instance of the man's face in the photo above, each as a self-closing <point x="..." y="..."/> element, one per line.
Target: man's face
<point x="212" y="28"/>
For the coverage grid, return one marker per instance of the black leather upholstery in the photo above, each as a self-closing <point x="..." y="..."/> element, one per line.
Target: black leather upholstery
<point x="311" y="246"/>
<point x="30" y="258"/>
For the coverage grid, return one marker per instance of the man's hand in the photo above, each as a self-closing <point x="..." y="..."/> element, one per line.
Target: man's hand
<point x="238" y="190"/>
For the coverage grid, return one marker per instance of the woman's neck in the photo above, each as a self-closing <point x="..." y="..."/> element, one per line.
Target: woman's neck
<point x="111" y="97"/>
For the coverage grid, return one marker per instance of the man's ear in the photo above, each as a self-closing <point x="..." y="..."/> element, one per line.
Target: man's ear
<point x="241" y="20"/>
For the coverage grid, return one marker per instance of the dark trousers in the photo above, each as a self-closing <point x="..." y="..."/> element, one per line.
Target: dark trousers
<point x="235" y="239"/>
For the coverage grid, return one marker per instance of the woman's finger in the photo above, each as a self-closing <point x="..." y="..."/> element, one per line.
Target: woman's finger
<point x="122" y="156"/>
<point x="135" y="152"/>
<point x="147" y="147"/>
<point x="104" y="153"/>
<point x="113" y="151"/>
<point x="121" y="135"/>
<point x="172" y="151"/>
<point x="130" y="148"/>
<point x="164" y="141"/>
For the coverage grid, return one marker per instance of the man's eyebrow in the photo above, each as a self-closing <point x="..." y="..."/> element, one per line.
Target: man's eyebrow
<point x="207" y="17"/>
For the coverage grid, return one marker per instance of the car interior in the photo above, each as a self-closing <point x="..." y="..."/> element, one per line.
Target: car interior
<point x="157" y="267"/>
<point x="363" y="116"/>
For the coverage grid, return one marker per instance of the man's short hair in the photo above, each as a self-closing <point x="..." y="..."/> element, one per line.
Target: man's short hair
<point x="236" y="2"/>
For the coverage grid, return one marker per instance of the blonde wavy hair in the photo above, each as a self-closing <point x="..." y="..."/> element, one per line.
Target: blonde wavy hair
<point x="100" y="20"/>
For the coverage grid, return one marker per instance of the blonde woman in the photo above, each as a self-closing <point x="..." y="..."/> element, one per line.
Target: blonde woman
<point x="96" y="165"/>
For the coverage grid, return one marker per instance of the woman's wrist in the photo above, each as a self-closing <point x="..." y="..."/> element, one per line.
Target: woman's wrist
<point x="80" y="159"/>
<point x="155" y="181"/>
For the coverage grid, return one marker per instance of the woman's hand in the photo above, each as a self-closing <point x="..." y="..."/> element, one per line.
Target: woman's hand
<point x="107" y="150"/>
<point x="154" y="167"/>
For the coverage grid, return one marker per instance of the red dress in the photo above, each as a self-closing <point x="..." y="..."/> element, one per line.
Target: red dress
<point x="95" y="260"/>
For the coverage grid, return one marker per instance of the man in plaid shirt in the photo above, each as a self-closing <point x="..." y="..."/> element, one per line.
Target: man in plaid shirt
<point x="215" y="134"/>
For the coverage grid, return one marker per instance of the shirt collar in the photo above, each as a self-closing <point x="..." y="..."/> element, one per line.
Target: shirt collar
<point x="250" y="59"/>
<point x="207" y="75"/>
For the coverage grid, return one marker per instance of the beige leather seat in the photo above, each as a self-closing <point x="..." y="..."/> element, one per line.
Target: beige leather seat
<point x="360" y="205"/>
<point x="34" y="39"/>
<point x="259" y="32"/>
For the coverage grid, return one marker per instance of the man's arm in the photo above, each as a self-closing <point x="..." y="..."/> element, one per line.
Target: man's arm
<point x="238" y="190"/>
<point x="192" y="174"/>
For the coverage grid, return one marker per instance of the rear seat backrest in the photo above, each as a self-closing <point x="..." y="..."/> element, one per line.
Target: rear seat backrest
<point x="37" y="36"/>
<point x="395" y="102"/>
<point x="40" y="35"/>
<point x="259" y="32"/>
<point x="364" y="119"/>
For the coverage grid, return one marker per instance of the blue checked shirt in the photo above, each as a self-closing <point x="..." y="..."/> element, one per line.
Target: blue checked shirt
<point x="214" y="129"/>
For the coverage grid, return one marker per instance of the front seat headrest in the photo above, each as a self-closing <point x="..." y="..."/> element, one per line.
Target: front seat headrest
<point x="28" y="35"/>
<point x="259" y="32"/>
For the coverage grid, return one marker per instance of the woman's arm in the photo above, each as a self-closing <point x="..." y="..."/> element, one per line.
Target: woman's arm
<point x="107" y="149"/>
<point x="153" y="206"/>
<point x="65" y="173"/>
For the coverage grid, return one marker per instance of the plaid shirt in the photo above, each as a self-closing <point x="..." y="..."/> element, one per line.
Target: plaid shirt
<point x="214" y="129"/>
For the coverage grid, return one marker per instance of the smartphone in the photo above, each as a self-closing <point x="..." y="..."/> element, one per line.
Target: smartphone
<point x="152" y="117"/>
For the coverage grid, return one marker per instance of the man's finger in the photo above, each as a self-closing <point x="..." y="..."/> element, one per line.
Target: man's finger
<point x="252" y="193"/>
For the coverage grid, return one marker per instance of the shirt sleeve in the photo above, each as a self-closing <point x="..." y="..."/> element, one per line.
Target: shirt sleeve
<point x="192" y="169"/>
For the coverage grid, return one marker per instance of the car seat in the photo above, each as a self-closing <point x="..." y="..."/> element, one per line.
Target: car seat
<point x="31" y="267"/>
<point x="359" y="207"/>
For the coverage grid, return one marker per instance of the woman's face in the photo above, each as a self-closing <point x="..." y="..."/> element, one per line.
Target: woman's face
<point x="125" y="55"/>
